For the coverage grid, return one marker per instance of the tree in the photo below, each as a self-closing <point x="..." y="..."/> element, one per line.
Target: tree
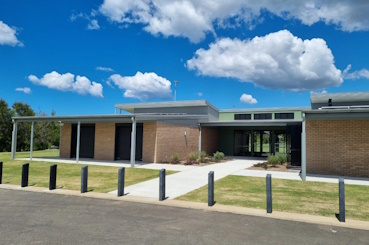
<point x="46" y="133"/>
<point x="5" y="126"/>
<point x="24" y="129"/>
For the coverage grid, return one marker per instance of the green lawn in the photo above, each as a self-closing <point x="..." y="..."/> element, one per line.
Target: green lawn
<point x="288" y="195"/>
<point x="100" y="178"/>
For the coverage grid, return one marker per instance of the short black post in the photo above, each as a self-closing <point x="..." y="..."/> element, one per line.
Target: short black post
<point x="52" y="180"/>
<point x="341" y="185"/>
<point x="84" y="175"/>
<point x="121" y="173"/>
<point x="269" y="193"/>
<point x="25" y="172"/>
<point x="1" y="172"/>
<point x="162" y="185"/>
<point x="211" y="188"/>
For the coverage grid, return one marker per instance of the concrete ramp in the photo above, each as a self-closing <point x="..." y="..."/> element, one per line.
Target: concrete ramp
<point x="186" y="181"/>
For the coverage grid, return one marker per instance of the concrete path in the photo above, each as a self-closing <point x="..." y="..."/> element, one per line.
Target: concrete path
<point x="123" y="163"/>
<point x="181" y="183"/>
<point x="295" y="175"/>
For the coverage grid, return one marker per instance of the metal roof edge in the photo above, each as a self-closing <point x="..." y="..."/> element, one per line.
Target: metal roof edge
<point x="299" y="108"/>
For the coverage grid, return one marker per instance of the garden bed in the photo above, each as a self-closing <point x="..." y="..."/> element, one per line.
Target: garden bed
<point x="266" y="166"/>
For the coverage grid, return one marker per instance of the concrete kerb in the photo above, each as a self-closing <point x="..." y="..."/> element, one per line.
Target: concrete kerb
<point x="305" y="218"/>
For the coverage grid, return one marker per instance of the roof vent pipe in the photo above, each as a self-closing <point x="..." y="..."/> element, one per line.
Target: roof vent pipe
<point x="329" y="102"/>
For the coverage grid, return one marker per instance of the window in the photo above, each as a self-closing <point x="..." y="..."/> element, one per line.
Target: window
<point x="284" y="116"/>
<point x="242" y="116"/>
<point x="262" y="116"/>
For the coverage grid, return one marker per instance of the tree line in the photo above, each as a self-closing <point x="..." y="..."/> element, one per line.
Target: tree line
<point x="46" y="134"/>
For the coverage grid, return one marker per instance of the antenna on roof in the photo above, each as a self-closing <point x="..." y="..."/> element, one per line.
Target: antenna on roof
<point x="175" y="89"/>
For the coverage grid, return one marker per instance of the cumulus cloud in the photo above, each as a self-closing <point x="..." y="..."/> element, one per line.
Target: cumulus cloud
<point x="194" y="19"/>
<point x="248" y="99"/>
<point x="278" y="60"/>
<point x="25" y="90"/>
<point x="363" y="73"/>
<point x="107" y="69"/>
<point x="68" y="82"/>
<point x="8" y="35"/>
<point x="143" y="86"/>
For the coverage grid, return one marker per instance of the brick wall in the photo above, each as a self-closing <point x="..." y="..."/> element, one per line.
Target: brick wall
<point x="209" y="140"/>
<point x="170" y="138"/>
<point x="65" y="140"/>
<point x="161" y="140"/>
<point x="104" y="141"/>
<point x="149" y="142"/>
<point x="338" y="147"/>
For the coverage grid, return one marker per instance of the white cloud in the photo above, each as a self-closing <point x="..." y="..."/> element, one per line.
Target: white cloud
<point x="143" y="86"/>
<point x="363" y="73"/>
<point x="194" y="19"/>
<point x="107" y="69"/>
<point x="319" y="92"/>
<point x="199" y="94"/>
<point x="248" y="99"/>
<point x="25" y="90"/>
<point x="93" y="25"/>
<point x="277" y="61"/>
<point x="8" y="35"/>
<point x="68" y="82"/>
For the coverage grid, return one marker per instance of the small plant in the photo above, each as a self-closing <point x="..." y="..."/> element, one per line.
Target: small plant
<point x="218" y="156"/>
<point x="282" y="158"/>
<point x="192" y="158"/>
<point x="203" y="157"/>
<point x="263" y="165"/>
<point x="277" y="159"/>
<point x="273" y="160"/>
<point x="174" y="158"/>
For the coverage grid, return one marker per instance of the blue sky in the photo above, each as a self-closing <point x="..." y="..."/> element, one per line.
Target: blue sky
<point x="82" y="57"/>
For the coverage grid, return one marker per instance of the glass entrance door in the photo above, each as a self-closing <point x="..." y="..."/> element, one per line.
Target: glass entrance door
<point x="262" y="141"/>
<point x="242" y="143"/>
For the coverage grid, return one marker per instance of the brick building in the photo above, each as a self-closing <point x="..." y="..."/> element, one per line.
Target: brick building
<point x="330" y="137"/>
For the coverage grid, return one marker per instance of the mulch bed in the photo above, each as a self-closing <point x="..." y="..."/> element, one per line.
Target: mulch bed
<point x="281" y="168"/>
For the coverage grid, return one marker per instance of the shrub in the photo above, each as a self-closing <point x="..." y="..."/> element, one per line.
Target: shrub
<point x="282" y="158"/>
<point x="218" y="156"/>
<point x="192" y="158"/>
<point x="174" y="158"/>
<point x="203" y="157"/>
<point x="274" y="160"/>
<point x="277" y="159"/>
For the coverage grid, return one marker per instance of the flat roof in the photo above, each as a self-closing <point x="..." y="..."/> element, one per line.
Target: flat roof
<point x="339" y="97"/>
<point x="117" y="118"/>
<point x="184" y="103"/>
<point x="300" y="108"/>
<point x="254" y="123"/>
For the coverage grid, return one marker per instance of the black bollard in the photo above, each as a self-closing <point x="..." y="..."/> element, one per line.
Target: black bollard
<point x="52" y="180"/>
<point x="211" y="188"/>
<point x="1" y="172"/>
<point x="162" y="185"/>
<point x="121" y="173"/>
<point x="269" y="193"/>
<point x="25" y="172"/>
<point x="84" y="175"/>
<point x="341" y="186"/>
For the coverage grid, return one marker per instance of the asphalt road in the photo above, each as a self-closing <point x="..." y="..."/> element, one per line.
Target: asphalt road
<point x="41" y="218"/>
